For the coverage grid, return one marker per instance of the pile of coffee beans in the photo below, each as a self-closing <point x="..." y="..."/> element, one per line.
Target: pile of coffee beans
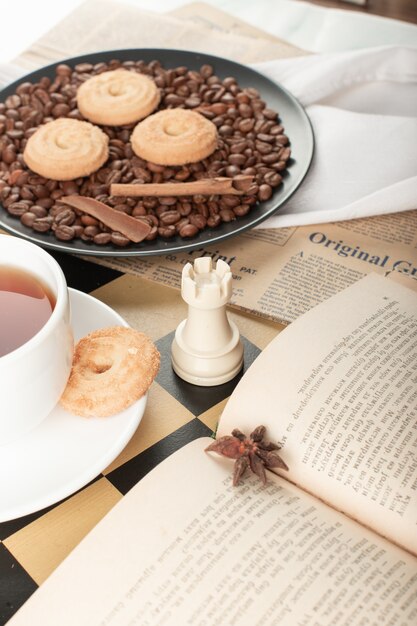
<point x="251" y="142"/>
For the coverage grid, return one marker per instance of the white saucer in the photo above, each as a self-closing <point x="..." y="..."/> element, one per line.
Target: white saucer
<point x="65" y="452"/>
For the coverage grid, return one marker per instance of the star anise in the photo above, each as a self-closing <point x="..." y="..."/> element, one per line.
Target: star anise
<point x="252" y="452"/>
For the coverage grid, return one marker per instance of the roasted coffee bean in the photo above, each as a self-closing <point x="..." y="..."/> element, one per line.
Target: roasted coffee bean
<point x="63" y="70"/>
<point x="242" y="98"/>
<point x="226" y="130"/>
<point x="276" y="129"/>
<point x="64" y="233"/>
<point x="38" y="211"/>
<point x="203" y="210"/>
<point x="214" y="220"/>
<point x="65" y="217"/>
<point x="206" y="71"/>
<point x="45" y="203"/>
<point x="167" y="231"/>
<point x="227" y="215"/>
<point x="168" y="200"/>
<point x="192" y="102"/>
<point x="265" y="192"/>
<point x="138" y="210"/>
<point x="119" y="240"/>
<point x="246" y="125"/>
<point x="170" y="217"/>
<point x="60" y="110"/>
<point x="150" y="203"/>
<point x="229" y="201"/>
<point x="102" y="239"/>
<point x="17" y="208"/>
<point x="237" y="159"/>
<point x="241" y="209"/>
<point x="24" y="88"/>
<point x="40" y="191"/>
<point x="245" y="110"/>
<point x="272" y="157"/>
<point x="91" y="231"/>
<point x="12" y="102"/>
<point x="188" y="230"/>
<point x="15" y="177"/>
<point x="42" y="224"/>
<point x="198" y="220"/>
<point x="267" y="138"/>
<point x="26" y="193"/>
<point x="281" y="140"/>
<point x="182" y="175"/>
<point x="69" y="187"/>
<point x="78" y="230"/>
<point x="270" y="114"/>
<point x="232" y="170"/>
<point x="227" y="98"/>
<point x="280" y="166"/>
<point x="9" y="154"/>
<point x="238" y="147"/>
<point x="273" y="179"/>
<point x="218" y="120"/>
<point x="285" y="154"/>
<point x="15" y="133"/>
<point x="81" y="68"/>
<point x="185" y="208"/>
<point x="262" y="147"/>
<point x="88" y="220"/>
<point x="27" y="219"/>
<point x="173" y="100"/>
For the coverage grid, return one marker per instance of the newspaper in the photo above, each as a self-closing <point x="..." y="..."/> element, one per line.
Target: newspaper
<point x="281" y="273"/>
<point x="278" y="273"/>
<point x="109" y="25"/>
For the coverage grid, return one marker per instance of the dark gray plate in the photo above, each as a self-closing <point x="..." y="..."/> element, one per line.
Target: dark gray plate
<point x="294" y="119"/>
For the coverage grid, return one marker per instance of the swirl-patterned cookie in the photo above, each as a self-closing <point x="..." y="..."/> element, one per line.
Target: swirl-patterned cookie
<point x="66" y="149"/>
<point x="117" y="97"/>
<point x="112" y="368"/>
<point x="174" y="137"/>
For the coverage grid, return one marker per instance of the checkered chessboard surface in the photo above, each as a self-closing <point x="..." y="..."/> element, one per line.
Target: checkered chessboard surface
<point x="177" y="412"/>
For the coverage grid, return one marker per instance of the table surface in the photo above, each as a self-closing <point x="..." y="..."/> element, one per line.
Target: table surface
<point x="177" y="412"/>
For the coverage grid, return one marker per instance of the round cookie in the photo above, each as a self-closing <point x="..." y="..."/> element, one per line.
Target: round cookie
<point x="66" y="149"/>
<point x="174" y="137"/>
<point x="112" y="368"/>
<point x="117" y="97"/>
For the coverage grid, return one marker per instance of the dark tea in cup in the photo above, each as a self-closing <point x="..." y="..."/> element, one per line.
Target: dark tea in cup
<point x="26" y="304"/>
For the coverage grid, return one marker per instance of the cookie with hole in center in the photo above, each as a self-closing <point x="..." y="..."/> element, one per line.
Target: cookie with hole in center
<point x="112" y="368"/>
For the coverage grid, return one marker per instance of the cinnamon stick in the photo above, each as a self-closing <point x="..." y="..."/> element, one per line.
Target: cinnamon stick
<point x="134" y="229"/>
<point x="236" y="186"/>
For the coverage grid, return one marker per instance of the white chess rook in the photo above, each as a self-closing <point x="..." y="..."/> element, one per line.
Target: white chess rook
<point x="207" y="349"/>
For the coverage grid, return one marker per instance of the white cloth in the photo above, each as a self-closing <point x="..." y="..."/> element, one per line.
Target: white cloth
<point x="363" y="108"/>
<point x="317" y="28"/>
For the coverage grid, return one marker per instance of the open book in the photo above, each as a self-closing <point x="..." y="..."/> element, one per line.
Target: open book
<point x="185" y="547"/>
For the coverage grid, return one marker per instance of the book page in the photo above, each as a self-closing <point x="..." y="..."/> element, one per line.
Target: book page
<point x="338" y="388"/>
<point x="184" y="547"/>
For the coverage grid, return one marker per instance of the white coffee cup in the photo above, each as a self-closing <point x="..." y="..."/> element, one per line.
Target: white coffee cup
<point x="34" y="375"/>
